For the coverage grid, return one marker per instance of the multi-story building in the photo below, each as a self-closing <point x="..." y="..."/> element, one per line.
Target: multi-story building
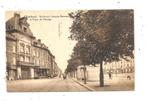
<point x="118" y="69"/>
<point x="57" y="70"/>
<point x="27" y="57"/>
<point x="122" y="68"/>
<point x="41" y="59"/>
<point x="11" y="53"/>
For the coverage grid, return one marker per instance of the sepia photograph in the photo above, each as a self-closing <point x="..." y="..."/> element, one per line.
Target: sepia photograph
<point x="70" y="50"/>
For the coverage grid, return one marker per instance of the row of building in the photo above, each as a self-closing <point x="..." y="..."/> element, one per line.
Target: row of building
<point x="118" y="69"/>
<point x="26" y="56"/>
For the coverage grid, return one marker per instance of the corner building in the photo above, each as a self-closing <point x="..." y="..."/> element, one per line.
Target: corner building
<point x="27" y="57"/>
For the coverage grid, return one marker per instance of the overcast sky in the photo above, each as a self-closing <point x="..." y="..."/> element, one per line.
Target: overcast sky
<point x="45" y="26"/>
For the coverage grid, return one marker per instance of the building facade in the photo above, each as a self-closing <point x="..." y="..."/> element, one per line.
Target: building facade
<point x="11" y="53"/>
<point x="57" y="70"/>
<point x="27" y="57"/>
<point x="122" y="69"/>
<point x="118" y="69"/>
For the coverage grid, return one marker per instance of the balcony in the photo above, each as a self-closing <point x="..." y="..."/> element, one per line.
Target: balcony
<point x="10" y="66"/>
<point x="22" y="63"/>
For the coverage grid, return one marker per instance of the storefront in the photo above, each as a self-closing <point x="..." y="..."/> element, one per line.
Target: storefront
<point x="41" y="73"/>
<point x="11" y="73"/>
<point x="25" y="73"/>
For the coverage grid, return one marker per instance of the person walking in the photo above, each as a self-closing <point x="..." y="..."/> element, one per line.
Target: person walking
<point x="110" y="75"/>
<point x="64" y="76"/>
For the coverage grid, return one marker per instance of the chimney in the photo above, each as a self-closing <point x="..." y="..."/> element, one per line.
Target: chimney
<point x="39" y="40"/>
<point x="16" y="17"/>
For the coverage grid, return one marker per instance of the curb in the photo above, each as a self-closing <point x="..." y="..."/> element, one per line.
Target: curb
<point x="83" y="85"/>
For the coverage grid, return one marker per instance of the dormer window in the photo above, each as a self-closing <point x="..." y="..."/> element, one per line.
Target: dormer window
<point x="24" y="29"/>
<point x="8" y="27"/>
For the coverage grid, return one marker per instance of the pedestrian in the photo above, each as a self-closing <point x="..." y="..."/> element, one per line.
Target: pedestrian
<point x="64" y="76"/>
<point x="110" y="75"/>
<point x="19" y="76"/>
<point x="129" y="77"/>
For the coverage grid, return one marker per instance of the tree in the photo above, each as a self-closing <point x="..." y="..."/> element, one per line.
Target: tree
<point x="73" y="63"/>
<point x="103" y="36"/>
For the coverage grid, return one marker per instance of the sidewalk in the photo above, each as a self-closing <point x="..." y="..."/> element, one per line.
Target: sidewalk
<point x="115" y="84"/>
<point x="87" y="87"/>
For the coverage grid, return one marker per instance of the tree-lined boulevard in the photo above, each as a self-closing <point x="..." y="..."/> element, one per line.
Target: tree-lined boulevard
<point x="102" y="37"/>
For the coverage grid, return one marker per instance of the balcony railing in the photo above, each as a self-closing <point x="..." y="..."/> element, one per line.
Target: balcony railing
<point x="22" y="63"/>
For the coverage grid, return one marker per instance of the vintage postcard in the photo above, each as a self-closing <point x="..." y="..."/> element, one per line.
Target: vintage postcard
<point x="70" y="50"/>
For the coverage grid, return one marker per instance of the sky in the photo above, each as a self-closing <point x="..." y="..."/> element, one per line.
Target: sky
<point x="52" y="27"/>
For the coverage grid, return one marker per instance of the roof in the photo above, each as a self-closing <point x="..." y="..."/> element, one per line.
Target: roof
<point x="19" y="24"/>
<point x="10" y="36"/>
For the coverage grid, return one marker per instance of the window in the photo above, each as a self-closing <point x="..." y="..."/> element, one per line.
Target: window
<point x="124" y="70"/>
<point x="43" y="62"/>
<point x="25" y="29"/>
<point x="128" y="65"/>
<point x="14" y="61"/>
<point x="33" y="52"/>
<point x="8" y="27"/>
<point x="21" y="58"/>
<point x="121" y="64"/>
<point x="34" y="61"/>
<point x="131" y="70"/>
<point x="38" y="54"/>
<point x="22" y="48"/>
<point x="38" y="61"/>
<point x="27" y="59"/>
<point x="28" y="49"/>
<point x="14" y="49"/>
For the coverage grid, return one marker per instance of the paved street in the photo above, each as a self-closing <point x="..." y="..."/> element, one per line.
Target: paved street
<point x="44" y="85"/>
<point x="68" y="85"/>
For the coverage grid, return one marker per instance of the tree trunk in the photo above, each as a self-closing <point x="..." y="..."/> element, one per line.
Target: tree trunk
<point x="74" y="74"/>
<point x="101" y="75"/>
<point x="84" y="69"/>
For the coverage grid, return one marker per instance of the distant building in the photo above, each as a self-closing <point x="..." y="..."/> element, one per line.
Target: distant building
<point x="27" y="57"/>
<point x="57" y="70"/>
<point x="92" y="73"/>
<point x="118" y="69"/>
<point x="41" y="57"/>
